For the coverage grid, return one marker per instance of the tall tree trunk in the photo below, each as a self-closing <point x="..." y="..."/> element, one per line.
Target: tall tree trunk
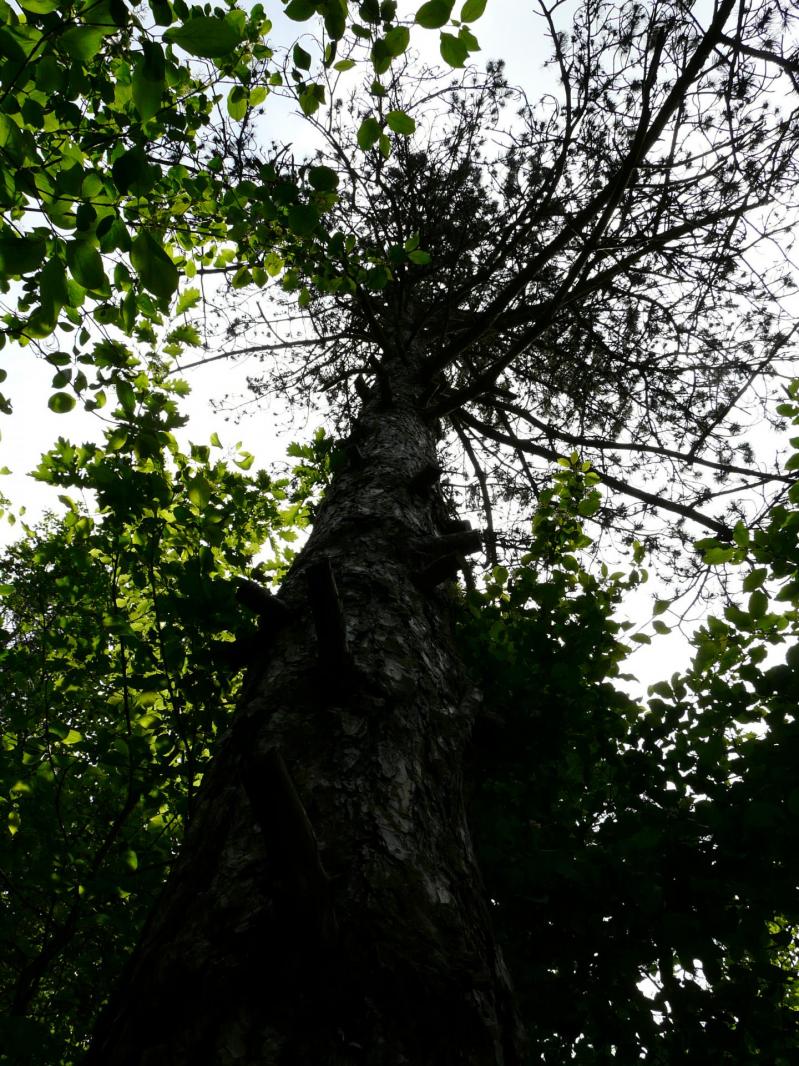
<point x="367" y="938"/>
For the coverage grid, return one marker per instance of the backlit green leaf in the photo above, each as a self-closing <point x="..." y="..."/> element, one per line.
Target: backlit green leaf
<point x="397" y="40"/>
<point x="472" y="10"/>
<point x="200" y="492"/>
<point x="323" y="179"/>
<point x="187" y="299"/>
<point x="84" y="42"/>
<point x="368" y="133"/>
<point x="758" y="603"/>
<point x="311" y="98"/>
<point x="149" y="74"/>
<point x="133" y="172"/>
<point x="300" y="10"/>
<point x="61" y="402"/>
<point x="206" y="36"/>
<point x="86" y="265"/>
<point x="453" y="50"/>
<point x="300" y="58"/>
<point x="399" y="122"/>
<point x="20" y="255"/>
<point x="302" y="219"/>
<point x="434" y="14"/>
<point x="39" y="7"/>
<point x="237" y="102"/>
<point x="157" y="272"/>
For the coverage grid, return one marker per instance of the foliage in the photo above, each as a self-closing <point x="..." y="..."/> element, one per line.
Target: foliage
<point x="586" y="288"/>
<point x="115" y="687"/>
<point x="641" y="858"/>
<point x="114" y="182"/>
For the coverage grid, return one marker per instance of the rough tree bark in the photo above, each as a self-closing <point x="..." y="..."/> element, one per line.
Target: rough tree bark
<point x="366" y="938"/>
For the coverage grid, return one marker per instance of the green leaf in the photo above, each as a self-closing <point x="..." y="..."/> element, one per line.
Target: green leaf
<point x="311" y="97"/>
<point x="206" y="36"/>
<point x="132" y="172"/>
<point x="301" y="58"/>
<point x="125" y="395"/>
<point x="149" y="76"/>
<point x="116" y="439"/>
<point x="84" y="42"/>
<point x="20" y="255"/>
<point x="758" y="603"/>
<point x="381" y="57"/>
<point x="237" y="102"/>
<point x="273" y="264"/>
<point x="755" y="579"/>
<point x="453" y="50"/>
<point x="434" y="14"/>
<point x="716" y="556"/>
<point x="323" y="179"/>
<point x="344" y="64"/>
<point x="187" y="299"/>
<point x="86" y="265"/>
<point x="302" y="219"/>
<point x="40" y="7"/>
<point x="740" y="535"/>
<point x="368" y="133"/>
<point x="157" y="272"/>
<point x="61" y="402"/>
<point x="200" y="491"/>
<point x="419" y="257"/>
<point x="53" y="290"/>
<point x="335" y="22"/>
<point x="397" y="40"/>
<point x="472" y="10"/>
<point x="399" y="122"/>
<point x="51" y="76"/>
<point x="300" y="10"/>
<point x="162" y="12"/>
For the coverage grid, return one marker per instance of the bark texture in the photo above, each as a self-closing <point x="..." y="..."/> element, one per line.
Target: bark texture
<point x="327" y="907"/>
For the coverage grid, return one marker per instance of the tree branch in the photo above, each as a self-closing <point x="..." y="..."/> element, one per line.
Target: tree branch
<point x="650" y="498"/>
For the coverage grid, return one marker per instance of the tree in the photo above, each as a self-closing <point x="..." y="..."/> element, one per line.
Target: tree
<point x="327" y="904"/>
<point x="608" y="264"/>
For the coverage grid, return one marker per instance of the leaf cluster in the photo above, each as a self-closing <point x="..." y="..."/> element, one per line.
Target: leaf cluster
<point x="639" y="856"/>
<point x="115" y="687"/>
